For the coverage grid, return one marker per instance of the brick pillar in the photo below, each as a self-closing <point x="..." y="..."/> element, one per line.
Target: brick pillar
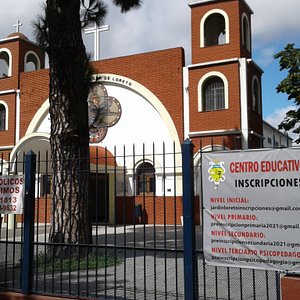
<point x="290" y="287"/>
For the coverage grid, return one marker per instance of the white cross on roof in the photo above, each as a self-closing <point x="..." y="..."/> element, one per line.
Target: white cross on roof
<point x="18" y="25"/>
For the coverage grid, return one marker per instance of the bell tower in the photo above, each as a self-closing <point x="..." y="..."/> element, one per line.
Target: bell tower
<point x="220" y="30"/>
<point x="224" y="83"/>
<point x="18" y="55"/>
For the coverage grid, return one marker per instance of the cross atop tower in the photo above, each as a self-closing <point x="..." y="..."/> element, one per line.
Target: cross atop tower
<point x="96" y="30"/>
<point x="18" y="25"/>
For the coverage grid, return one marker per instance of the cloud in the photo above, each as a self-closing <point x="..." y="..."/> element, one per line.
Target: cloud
<point x="156" y="25"/>
<point x="275" y="20"/>
<point x="266" y="56"/>
<point x="276" y="117"/>
<point x="25" y="11"/>
<point x="164" y="24"/>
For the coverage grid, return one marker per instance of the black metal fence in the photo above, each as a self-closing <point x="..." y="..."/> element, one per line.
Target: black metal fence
<point x="146" y="234"/>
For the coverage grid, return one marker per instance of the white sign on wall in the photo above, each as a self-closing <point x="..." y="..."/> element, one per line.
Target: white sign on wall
<point x="11" y="194"/>
<point x="251" y="205"/>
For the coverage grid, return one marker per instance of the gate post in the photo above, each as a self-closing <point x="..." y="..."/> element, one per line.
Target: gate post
<point x="190" y="262"/>
<point x="29" y="206"/>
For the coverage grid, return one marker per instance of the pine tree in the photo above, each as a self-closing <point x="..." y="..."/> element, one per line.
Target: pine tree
<point x="59" y="31"/>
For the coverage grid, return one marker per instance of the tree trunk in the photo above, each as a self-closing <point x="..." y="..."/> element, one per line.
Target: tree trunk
<point x="69" y="85"/>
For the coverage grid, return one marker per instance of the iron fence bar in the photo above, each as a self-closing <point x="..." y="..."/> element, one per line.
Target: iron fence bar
<point x="69" y="281"/>
<point x="86" y="174"/>
<point x="124" y="219"/>
<point x="45" y="225"/>
<point x="134" y="223"/>
<point x="228" y="283"/>
<point x="175" y="221"/>
<point x="154" y="222"/>
<point x="53" y="204"/>
<point x="267" y="285"/>
<point x="22" y="216"/>
<point x="241" y="283"/>
<point x="165" y="220"/>
<point x="14" y="247"/>
<point x="96" y="214"/>
<point x="1" y="165"/>
<point x="29" y="204"/>
<point x="106" y="207"/>
<point x="253" y="286"/>
<point x="144" y="223"/>
<point x="190" y="277"/>
<point x="37" y="216"/>
<point x="216" y="282"/>
<point x="115" y="223"/>
<point x="62" y="222"/>
<point x="278" y="289"/>
<point x="6" y="253"/>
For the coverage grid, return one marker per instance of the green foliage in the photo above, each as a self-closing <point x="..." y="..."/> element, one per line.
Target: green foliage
<point x="289" y="60"/>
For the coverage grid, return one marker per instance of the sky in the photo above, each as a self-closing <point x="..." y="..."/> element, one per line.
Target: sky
<point x="163" y="24"/>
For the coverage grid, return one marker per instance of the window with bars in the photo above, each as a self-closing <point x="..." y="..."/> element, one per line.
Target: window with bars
<point x="2" y="117"/>
<point x="145" y="179"/>
<point x="213" y="94"/>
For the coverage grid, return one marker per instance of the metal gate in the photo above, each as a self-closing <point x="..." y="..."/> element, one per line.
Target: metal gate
<point x="146" y="235"/>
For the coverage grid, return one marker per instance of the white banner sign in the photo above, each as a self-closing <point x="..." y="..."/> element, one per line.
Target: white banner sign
<point x="11" y="194"/>
<point x="251" y="205"/>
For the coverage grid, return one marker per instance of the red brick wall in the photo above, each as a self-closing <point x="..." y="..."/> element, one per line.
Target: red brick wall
<point x="34" y="92"/>
<point x="228" y="141"/>
<point x="42" y="211"/>
<point x="155" y="210"/>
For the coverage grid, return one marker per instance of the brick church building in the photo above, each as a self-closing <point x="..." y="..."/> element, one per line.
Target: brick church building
<point x="155" y="97"/>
